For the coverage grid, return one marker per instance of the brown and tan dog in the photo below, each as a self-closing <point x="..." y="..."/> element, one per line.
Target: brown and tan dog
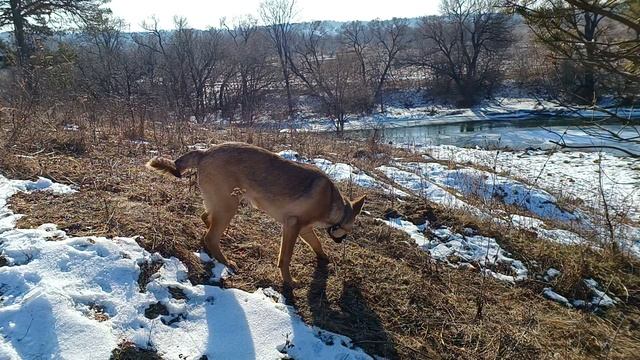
<point x="298" y="196"/>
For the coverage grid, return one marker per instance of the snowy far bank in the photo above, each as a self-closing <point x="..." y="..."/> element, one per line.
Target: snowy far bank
<point x="421" y="113"/>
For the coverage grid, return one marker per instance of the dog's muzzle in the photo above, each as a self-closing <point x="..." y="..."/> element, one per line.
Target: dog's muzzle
<point x="330" y="231"/>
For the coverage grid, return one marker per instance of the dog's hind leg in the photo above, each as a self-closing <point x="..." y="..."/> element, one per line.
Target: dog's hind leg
<point x="290" y="231"/>
<point x="219" y="218"/>
<point x="309" y="236"/>
<point x="205" y="218"/>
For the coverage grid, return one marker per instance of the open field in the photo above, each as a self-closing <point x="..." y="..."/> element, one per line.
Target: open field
<point x="393" y="294"/>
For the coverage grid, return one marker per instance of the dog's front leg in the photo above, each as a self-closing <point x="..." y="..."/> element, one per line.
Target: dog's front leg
<point x="290" y="231"/>
<point x="309" y="236"/>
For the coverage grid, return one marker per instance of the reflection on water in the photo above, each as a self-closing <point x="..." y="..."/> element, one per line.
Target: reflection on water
<point x="514" y="134"/>
<point x="467" y="127"/>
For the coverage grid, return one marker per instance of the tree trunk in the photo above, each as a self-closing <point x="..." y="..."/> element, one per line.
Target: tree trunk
<point x="588" y="88"/>
<point x="19" y="33"/>
<point x="287" y="85"/>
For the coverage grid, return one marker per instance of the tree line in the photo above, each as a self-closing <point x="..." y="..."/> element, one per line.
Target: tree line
<point x="271" y="66"/>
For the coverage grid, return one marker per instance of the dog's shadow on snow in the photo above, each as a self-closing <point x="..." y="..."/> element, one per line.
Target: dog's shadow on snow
<point x="350" y="315"/>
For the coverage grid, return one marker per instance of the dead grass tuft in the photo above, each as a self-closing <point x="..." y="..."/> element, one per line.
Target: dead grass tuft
<point x="127" y="350"/>
<point x="98" y="312"/>
<point x="147" y="269"/>
<point x="177" y="293"/>
<point x="155" y="310"/>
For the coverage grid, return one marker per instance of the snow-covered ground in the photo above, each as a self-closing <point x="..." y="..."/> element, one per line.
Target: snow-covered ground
<point x="422" y="187"/>
<point x="78" y="297"/>
<point x="437" y="190"/>
<point x="562" y="187"/>
<point x="489" y="186"/>
<point x="476" y="252"/>
<point x="467" y="250"/>
<point x="569" y="175"/>
<point x="484" y="254"/>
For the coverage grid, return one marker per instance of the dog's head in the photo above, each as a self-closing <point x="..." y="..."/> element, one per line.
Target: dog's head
<point x="340" y="230"/>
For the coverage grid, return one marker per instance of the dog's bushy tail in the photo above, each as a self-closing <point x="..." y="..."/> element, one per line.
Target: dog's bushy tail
<point x="176" y="168"/>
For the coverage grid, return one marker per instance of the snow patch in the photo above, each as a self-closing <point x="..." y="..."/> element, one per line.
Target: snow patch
<point x="566" y="174"/>
<point x="71" y="127"/>
<point x="80" y="295"/>
<point x="423" y="186"/>
<point x="554" y="296"/>
<point x="599" y="299"/>
<point x="464" y="251"/>
<point x="488" y="186"/>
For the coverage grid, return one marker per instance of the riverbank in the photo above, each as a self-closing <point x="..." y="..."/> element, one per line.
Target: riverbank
<point x="430" y="113"/>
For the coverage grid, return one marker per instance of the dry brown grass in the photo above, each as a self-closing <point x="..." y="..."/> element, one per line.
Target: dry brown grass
<point x="127" y="350"/>
<point x="379" y="289"/>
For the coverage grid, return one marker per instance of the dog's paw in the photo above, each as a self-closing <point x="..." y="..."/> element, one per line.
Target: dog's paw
<point x="323" y="260"/>
<point x="232" y="266"/>
<point x="291" y="283"/>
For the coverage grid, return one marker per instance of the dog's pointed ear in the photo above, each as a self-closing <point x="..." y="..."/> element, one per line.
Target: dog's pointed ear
<point x="358" y="204"/>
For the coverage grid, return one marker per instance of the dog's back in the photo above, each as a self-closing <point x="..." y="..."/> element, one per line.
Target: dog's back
<point x="275" y="185"/>
<point x="252" y="168"/>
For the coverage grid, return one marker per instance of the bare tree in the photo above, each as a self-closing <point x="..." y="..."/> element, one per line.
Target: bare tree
<point x="465" y="45"/>
<point x="357" y="37"/>
<point x="156" y="43"/>
<point x="390" y="38"/>
<point x="189" y="64"/>
<point x="202" y="55"/>
<point x="330" y="74"/>
<point x="249" y="74"/>
<point x="101" y="54"/>
<point x="116" y="77"/>
<point x="375" y="47"/>
<point x="277" y="15"/>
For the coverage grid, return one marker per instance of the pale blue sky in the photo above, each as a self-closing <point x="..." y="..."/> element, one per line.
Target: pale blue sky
<point x="204" y="13"/>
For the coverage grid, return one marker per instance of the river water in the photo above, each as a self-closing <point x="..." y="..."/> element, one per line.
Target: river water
<point x="514" y="134"/>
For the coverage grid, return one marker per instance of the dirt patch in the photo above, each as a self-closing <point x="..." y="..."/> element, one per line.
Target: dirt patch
<point x="155" y="310"/>
<point x="98" y="312"/>
<point x="147" y="269"/>
<point x="127" y="350"/>
<point x="177" y="293"/>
